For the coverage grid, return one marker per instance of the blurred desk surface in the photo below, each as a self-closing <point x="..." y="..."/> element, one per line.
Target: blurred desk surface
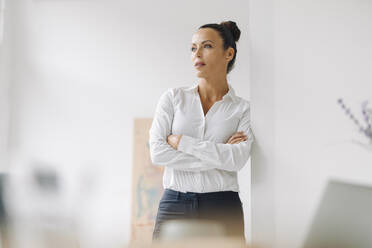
<point x="194" y="243"/>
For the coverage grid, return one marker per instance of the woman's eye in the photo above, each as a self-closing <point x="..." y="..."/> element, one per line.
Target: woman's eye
<point x="207" y="45"/>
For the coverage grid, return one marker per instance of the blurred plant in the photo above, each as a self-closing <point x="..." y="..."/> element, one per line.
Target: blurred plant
<point x="367" y="116"/>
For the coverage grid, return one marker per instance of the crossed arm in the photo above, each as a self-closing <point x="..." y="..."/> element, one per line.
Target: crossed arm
<point x="174" y="139"/>
<point x="183" y="152"/>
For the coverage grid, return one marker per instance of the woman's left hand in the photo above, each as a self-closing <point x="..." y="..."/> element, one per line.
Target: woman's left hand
<point x="173" y="140"/>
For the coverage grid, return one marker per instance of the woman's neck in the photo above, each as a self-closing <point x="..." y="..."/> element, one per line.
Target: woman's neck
<point x="212" y="90"/>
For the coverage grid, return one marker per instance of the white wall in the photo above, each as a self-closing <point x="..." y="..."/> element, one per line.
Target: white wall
<point x="84" y="69"/>
<point x="5" y="47"/>
<point x="262" y="77"/>
<point x="306" y="54"/>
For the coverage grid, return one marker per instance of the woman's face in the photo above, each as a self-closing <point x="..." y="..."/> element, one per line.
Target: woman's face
<point x="207" y="48"/>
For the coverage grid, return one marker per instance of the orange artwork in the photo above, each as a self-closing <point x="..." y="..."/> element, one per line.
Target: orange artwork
<point x="147" y="187"/>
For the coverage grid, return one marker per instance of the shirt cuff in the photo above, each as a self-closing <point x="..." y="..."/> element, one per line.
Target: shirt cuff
<point x="186" y="144"/>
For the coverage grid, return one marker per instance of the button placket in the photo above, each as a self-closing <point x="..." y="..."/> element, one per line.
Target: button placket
<point x="203" y="129"/>
<point x="202" y="115"/>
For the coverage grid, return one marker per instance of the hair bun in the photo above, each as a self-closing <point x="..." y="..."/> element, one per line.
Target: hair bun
<point x="235" y="31"/>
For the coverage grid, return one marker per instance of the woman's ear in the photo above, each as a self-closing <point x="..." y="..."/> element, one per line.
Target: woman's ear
<point x="230" y="54"/>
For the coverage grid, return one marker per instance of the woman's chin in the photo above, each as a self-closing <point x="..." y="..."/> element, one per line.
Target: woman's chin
<point x="200" y="74"/>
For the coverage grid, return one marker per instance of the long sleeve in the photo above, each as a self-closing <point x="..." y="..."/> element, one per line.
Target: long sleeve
<point x="161" y="152"/>
<point x="230" y="157"/>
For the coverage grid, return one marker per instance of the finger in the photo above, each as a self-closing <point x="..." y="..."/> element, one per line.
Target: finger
<point x="233" y="139"/>
<point x="237" y="140"/>
<point x="241" y="139"/>
<point x="240" y="134"/>
<point x="237" y="136"/>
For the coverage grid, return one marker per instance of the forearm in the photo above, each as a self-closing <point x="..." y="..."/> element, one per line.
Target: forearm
<point x="230" y="157"/>
<point x="162" y="154"/>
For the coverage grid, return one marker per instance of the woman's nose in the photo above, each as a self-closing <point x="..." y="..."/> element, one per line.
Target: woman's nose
<point x="198" y="52"/>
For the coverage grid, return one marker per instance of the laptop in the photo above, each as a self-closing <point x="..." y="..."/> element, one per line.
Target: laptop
<point x="343" y="218"/>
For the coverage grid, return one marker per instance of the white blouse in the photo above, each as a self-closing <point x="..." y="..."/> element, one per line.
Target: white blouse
<point x="202" y="162"/>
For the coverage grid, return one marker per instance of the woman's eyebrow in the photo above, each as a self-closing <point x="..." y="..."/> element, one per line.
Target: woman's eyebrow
<point x="203" y="42"/>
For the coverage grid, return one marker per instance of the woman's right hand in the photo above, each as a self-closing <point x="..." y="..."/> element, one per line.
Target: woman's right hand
<point x="236" y="138"/>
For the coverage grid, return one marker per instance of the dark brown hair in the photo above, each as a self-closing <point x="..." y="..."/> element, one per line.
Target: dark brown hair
<point x="230" y="34"/>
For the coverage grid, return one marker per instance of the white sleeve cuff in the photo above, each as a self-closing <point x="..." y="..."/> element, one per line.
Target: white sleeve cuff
<point x="186" y="144"/>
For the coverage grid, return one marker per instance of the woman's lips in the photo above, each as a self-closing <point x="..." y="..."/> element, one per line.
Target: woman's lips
<point x="199" y="65"/>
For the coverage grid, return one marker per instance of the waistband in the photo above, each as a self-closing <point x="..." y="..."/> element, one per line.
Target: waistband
<point x="218" y="194"/>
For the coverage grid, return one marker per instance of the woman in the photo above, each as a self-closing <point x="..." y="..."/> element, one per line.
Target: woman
<point x="202" y="135"/>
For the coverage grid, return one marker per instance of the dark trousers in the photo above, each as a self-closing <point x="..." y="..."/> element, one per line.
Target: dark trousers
<point x="223" y="206"/>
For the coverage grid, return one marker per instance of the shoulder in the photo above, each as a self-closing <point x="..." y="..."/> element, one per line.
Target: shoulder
<point x="176" y="92"/>
<point x="183" y="89"/>
<point x="244" y="107"/>
<point x="243" y="103"/>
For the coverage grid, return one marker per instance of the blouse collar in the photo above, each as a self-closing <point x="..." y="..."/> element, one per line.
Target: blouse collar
<point x="230" y="94"/>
